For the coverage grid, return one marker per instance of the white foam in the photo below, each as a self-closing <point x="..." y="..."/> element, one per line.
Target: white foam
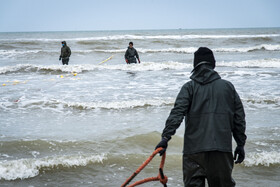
<point x="262" y="159"/>
<point x="144" y="66"/>
<point x="143" y="37"/>
<point x="119" y="104"/>
<point x="261" y="63"/>
<point x="190" y="50"/>
<point x="27" y="168"/>
<point x="268" y="47"/>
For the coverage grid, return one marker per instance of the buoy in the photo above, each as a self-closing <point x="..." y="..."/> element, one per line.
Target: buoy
<point x="4" y="84"/>
<point x="75" y="74"/>
<point x="61" y="76"/>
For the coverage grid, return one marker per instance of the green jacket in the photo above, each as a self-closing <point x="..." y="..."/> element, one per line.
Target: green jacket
<point x="65" y="52"/>
<point x="213" y="114"/>
<point x="130" y="55"/>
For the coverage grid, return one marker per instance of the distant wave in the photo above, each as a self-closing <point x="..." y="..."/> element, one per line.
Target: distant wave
<point x="144" y="37"/>
<point x="259" y="63"/>
<point x="188" y="50"/>
<point x="27" y="168"/>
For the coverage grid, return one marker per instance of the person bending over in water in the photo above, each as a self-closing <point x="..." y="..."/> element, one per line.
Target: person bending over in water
<point x="130" y="54"/>
<point x="65" y="53"/>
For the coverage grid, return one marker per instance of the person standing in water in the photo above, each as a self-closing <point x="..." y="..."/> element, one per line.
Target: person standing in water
<point x="130" y="54"/>
<point x="65" y="53"/>
<point x="213" y="113"/>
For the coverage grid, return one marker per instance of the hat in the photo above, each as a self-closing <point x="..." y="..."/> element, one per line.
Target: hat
<point x="203" y="55"/>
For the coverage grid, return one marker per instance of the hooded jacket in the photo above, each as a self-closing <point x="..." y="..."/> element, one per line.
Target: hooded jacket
<point x="65" y="51"/>
<point x="213" y="114"/>
<point x="130" y="55"/>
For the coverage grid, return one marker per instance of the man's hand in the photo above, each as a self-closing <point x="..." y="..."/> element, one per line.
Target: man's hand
<point x="138" y="60"/>
<point x="163" y="143"/>
<point x="60" y="58"/>
<point x="239" y="150"/>
<point x="126" y="60"/>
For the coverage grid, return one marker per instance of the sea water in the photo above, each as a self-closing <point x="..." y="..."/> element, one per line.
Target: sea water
<point x="92" y="124"/>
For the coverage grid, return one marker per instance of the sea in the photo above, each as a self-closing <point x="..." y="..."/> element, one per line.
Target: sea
<point x="95" y="121"/>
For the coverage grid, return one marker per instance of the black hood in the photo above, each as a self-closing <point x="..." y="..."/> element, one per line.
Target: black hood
<point x="205" y="74"/>
<point x="64" y="42"/>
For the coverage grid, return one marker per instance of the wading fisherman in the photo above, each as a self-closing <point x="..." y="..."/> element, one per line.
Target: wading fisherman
<point x="213" y="114"/>
<point x="65" y="53"/>
<point x="130" y="54"/>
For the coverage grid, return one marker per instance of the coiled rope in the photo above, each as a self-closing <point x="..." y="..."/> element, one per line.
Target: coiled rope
<point x="161" y="177"/>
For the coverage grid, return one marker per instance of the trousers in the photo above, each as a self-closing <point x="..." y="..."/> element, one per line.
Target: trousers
<point x="65" y="61"/>
<point x="214" y="166"/>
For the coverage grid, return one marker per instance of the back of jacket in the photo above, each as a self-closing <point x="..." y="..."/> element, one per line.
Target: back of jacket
<point x="213" y="113"/>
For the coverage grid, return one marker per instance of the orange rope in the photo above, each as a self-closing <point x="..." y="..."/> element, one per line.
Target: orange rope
<point x="161" y="177"/>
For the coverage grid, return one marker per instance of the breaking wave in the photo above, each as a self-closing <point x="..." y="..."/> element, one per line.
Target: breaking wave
<point x="54" y="104"/>
<point x="144" y="37"/>
<point x="259" y="63"/>
<point x="187" y="50"/>
<point x="190" y="50"/>
<point x="144" y="66"/>
<point x="262" y="159"/>
<point x="115" y="105"/>
<point x="27" y="168"/>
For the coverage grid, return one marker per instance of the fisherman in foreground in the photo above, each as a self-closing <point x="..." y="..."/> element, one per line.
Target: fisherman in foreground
<point x="130" y="54"/>
<point x="213" y="114"/>
<point x="65" y="53"/>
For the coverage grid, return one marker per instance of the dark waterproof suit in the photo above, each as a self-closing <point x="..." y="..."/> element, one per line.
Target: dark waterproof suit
<point x="65" y="54"/>
<point x="213" y="113"/>
<point x="130" y="55"/>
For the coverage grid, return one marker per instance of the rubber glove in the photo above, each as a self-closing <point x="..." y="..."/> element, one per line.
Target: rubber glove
<point x="239" y="150"/>
<point x="126" y="60"/>
<point x="163" y="143"/>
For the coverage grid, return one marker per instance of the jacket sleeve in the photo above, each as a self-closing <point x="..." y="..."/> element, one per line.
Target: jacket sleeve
<point x="180" y="109"/>
<point x="239" y="123"/>
<point x="136" y="54"/>
<point x="60" y="53"/>
<point x="126" y="54"/>
<point x="69" y="51"/>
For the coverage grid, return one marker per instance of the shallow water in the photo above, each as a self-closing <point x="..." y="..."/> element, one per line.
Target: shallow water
<point x="94" y="128"/>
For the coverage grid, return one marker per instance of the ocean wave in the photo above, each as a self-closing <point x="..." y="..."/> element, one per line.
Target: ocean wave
<point x="144" y="66"/>
<point x="262" y="159"/>
<point x="27" y="168"/>
<point x="258" y="63"/>
<point x="26" y="53"/>
<point x="54" y="104"/>
<point x="145" y="37"/>
<point x="190" y="50"/>
<point x="114" y="105"/>
<point x="187" y="50"/>
<point x="266" y="47"/>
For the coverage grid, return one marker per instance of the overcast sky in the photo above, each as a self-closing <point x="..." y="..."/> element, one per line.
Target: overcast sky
<point x="76" y="15"/>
